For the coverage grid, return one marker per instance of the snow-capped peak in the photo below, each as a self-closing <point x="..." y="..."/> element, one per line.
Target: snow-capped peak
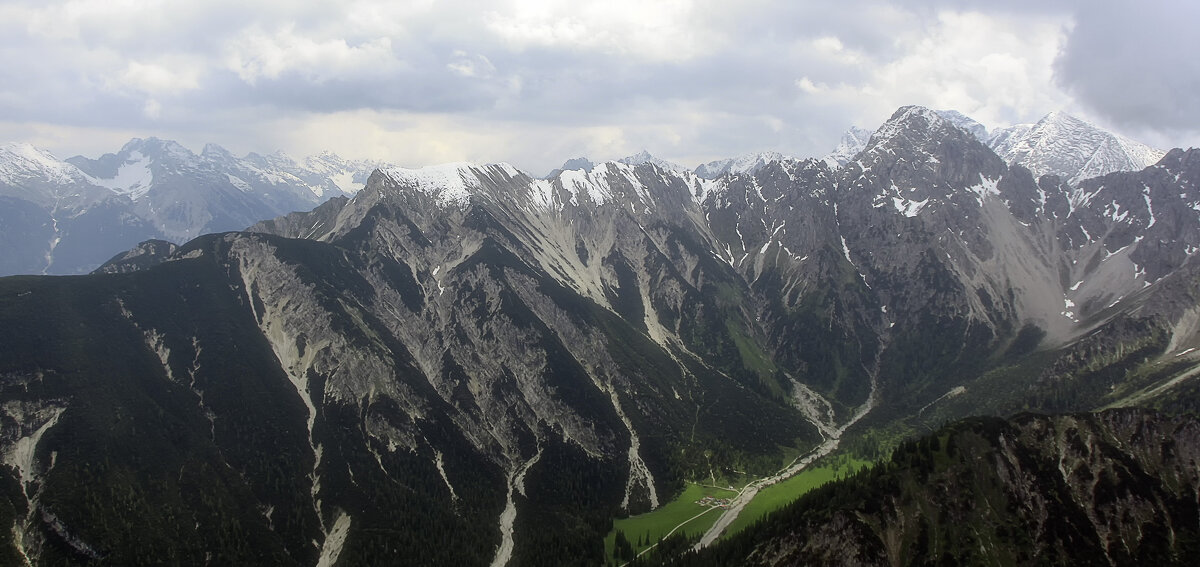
<point x="743" y="164"/>
<point x="965" y="123"/>
<point x="852" y="142"/>
<point x="914" y="122"/>
<point x="1071" y="148"/>
<point x="21" y="163"/>
<point x="448" y="184"/>
<point x="213" y="151"/>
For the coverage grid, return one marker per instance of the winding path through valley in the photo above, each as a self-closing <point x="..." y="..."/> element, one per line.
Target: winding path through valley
<point x="747" y="493"/>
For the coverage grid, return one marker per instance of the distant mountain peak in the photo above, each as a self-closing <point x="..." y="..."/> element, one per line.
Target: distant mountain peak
<point x="744" y="164"/>
<point x="966" y="123"/>
<point x="852" y="142"/>
<point x="213" y="150"/>
<point x="638" y="158"/>
<point x="578" y="163"/>
<point x="574" y="164"/>
<point x="645" y="157"/>
<point x="21" y="162"/>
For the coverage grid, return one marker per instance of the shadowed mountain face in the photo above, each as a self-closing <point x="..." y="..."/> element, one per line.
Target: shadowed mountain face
<point x="462" y="364"/>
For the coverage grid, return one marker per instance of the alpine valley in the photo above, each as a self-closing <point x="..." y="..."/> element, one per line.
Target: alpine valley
<point x="468" y="365"/>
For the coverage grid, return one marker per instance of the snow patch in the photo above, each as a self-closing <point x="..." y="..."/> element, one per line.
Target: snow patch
<point x="1114" y="212"/>
<point x="908" y="207"/>
<point x="985" y="187"/>
<point x="846" y="250"/>
<point x="1069" y="310"/>
<point x="450" y="184"/>
<point x="1149" y="205"/>
<point x="541" y="193"/>
<point x="133" y="178"/>
<point x="239" y="183"/>
<point x="592" y="186"/>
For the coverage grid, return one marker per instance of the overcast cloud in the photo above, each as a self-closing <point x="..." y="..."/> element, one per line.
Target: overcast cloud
<point x="535" y="83"/>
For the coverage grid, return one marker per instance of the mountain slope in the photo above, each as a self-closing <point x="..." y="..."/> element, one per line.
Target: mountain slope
<point x="1117" y="488"/>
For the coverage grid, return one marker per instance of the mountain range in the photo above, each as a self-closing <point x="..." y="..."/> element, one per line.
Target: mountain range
<point x="67" y="217"/>
<point x="464" y="364"/>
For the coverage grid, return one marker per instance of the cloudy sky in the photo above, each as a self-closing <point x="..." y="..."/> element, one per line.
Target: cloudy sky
<point x="536" y="82"/>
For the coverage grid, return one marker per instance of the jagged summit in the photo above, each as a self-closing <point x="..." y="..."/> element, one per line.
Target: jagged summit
<point x="182" y="194"/>
<point x="856" y="139"/>
<point x="913" y="125"/>
<point x="852" y="142"/>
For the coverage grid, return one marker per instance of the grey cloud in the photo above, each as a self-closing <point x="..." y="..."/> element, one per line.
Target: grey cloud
<point x="745" y="93"/>
<point x="1135" y="63"/>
